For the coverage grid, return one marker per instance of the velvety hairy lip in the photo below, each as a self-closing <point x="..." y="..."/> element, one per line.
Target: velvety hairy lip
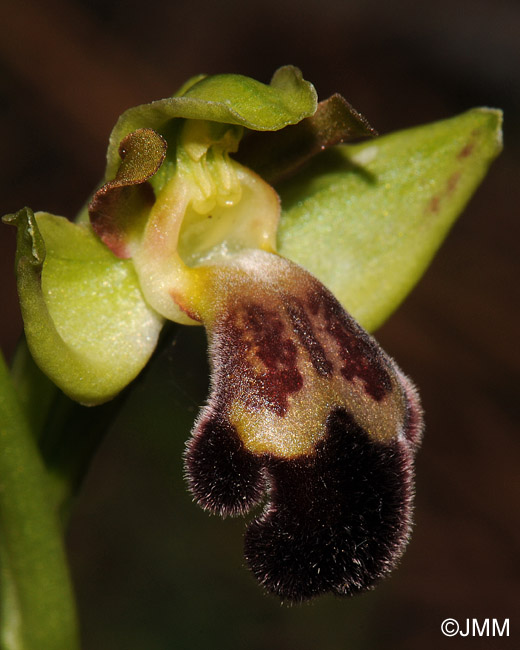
<point x="337" y="520"/>
<point x="308" y="413"/>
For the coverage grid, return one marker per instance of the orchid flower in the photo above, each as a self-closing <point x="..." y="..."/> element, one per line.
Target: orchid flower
<point x="237" y="206"/>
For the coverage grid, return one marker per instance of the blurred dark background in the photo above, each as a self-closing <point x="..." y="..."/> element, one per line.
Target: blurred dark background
<point x="151" y="570"/>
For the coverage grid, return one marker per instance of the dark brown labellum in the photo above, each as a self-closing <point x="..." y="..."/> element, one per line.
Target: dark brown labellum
<point x="309" y="414"/>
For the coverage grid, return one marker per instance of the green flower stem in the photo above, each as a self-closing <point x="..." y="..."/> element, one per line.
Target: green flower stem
<point x="37" y="606"/>
<point x="67" y="434"/>
<point x="68" y="443"/>
<point x="36" y="392"/>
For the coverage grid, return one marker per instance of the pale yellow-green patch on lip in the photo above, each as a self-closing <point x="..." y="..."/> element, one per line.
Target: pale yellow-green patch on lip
<point x="297" y="432"/>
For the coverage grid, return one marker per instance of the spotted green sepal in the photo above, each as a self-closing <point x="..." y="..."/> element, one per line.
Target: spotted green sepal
<point x="227" y="98"/>
<point x="86" y="322"/>
<point x="367" y="219"/>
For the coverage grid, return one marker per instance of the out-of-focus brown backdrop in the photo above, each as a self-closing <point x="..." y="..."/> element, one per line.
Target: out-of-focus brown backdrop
<point x="152" y="571"/>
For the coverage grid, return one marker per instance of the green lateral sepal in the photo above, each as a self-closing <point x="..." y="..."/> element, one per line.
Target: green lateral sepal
<point x="87" y="324"/>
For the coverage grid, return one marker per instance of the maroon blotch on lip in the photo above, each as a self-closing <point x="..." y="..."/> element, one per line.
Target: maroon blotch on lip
<point x="305" y="331"/>
<point x="360" y="355"/>
<point x="252" y="330"/>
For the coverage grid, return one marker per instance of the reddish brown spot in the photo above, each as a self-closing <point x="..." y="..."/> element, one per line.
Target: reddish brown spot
<point x="452" y="183"/>
<point x="180" y="302"/>
<point x="358" y="353"/>
<point x="434" y="204"/>
<point x="466" y="151"/>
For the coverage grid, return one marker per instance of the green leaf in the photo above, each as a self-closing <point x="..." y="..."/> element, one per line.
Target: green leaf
<point x="228" y="98"/>
<point x="36" y="601"/>
<point x="86" y="322"/>
<point x="367" y="219"/>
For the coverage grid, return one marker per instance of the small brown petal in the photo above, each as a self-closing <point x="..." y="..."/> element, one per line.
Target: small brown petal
<point x="334" y="122"/>
<point x="119" y="206"/>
